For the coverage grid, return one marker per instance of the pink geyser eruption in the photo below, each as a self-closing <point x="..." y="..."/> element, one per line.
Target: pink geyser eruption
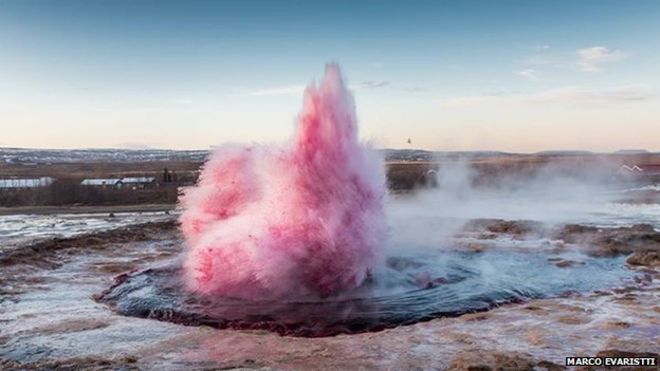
<point x="302" y="218"/>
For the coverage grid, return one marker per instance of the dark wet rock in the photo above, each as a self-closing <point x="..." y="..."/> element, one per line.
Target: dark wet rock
<point x="645" y="279"/>
<point x="623" y="353"/>
<point x="476" y="247"/>
<point x="608" y="242"/>
<point x="616" y="325"/>
<point x="18" y="265"/>
<point x="548" y="366"/>
<point x="486" y="361"/>
<point x="72" y="364"/>
<point x="627" y="298"/>
<point x="569" y="232"/>
<point x="569" y="294"/>
<point x="573" y="320"/>
<point x="641" y="197"/>
<point x="425" y="281"/>
<point x="475" y="317"/>
<point x="37" y="254"/>
<point x="562" y="263"/>
<point x="646" y="257"/>
<point x="491" y="228"/>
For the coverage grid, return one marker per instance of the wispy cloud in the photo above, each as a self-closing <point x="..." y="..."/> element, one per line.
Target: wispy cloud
<point x="542" y="47"/>
<point x="593" y="59"/>
<point x="370" y="85"/>
<point x="282" y="90"/>
<point x="528" y="74"/>
<point x="569" y="95"/>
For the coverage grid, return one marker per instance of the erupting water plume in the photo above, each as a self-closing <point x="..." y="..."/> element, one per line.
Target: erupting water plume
<point x="302" y="218"/>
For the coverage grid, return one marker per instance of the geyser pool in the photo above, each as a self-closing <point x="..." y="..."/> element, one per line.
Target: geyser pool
<point x="279" y="221"/>
<point x="410" y="289"/>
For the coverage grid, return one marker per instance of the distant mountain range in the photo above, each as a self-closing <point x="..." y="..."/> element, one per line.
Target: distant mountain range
<point x="25" y="155"/>
<point x="41" y="156"/>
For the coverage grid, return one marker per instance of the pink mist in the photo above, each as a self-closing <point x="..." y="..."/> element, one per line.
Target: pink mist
<point x="283" y="221"/>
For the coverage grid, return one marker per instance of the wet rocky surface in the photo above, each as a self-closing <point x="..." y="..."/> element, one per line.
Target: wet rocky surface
<point x="49" y="318"/>
<point x="611" y="241"/>
<point x="641" y="242"/>
<point x="641" y="196"/>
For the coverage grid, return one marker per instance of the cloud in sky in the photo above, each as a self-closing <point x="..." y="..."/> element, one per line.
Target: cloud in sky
<point x="594" y="59"/>
<point x="591" y="59"/>
<point x="569" y="95"/>
<point x="370" y="85"/>
<point x="528" y="74"/>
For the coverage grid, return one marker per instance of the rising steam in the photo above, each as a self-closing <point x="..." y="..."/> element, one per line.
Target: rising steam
<point x="302" y="218"/>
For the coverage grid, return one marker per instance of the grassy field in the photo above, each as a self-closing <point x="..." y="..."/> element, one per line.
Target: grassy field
<point x="401" y="176"/>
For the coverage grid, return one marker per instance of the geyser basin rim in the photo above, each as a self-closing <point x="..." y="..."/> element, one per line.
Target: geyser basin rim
<point x="471" y="282"/>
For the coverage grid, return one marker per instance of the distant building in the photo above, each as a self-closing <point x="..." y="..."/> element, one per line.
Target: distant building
<point x="140" y="182"/>
<point x="118" y="183"/>
<point x="103" y="183"/>
<point x="7" y="184"/>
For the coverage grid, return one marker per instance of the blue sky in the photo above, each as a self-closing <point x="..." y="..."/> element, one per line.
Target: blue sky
<point x="451" y="75"/>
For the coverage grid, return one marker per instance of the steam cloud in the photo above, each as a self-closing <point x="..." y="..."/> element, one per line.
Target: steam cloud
<point x="303" y="218"/>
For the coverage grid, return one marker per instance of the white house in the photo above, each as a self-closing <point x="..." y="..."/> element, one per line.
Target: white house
<point x="109" y="182"/>
<point x="139" y="182"/>
<point x="26" y="183"/>
<point x="132" y="182"/>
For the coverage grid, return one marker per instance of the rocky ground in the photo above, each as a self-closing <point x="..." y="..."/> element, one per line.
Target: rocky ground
<point x="50" y="320"/>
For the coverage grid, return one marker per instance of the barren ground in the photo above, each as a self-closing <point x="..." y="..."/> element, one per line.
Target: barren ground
<point x="50" y="319"/>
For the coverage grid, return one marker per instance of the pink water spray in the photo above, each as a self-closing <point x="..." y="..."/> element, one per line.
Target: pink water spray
<point x="302" y="218"/>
